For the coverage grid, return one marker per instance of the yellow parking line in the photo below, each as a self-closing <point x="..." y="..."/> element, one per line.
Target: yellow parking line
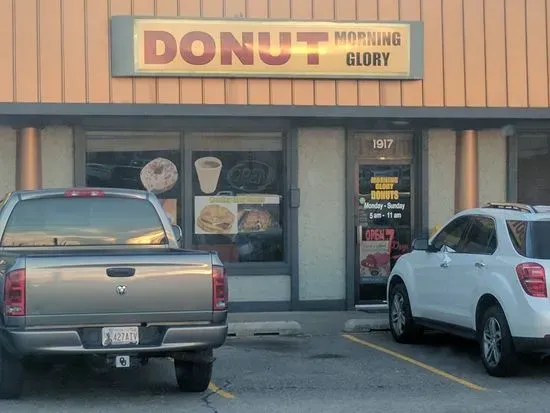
<point x="434" y="370"/>
<point x="221" y="392"/>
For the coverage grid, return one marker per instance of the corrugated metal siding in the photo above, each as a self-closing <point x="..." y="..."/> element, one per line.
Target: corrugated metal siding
<point x="477" y="53"/>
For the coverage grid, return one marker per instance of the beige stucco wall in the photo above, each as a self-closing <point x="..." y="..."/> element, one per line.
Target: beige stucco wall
<point x="441" y="176"/>
<point x="7" y="159"/>
<point x="322" y="214"/>
<point x="259" y="288"/>
<point x="492" y="166"/>
<point x="57" y="157"/>
<point x="492" y="171"/>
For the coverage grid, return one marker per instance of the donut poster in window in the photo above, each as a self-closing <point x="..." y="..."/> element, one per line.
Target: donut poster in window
<point x="159" y="175"/>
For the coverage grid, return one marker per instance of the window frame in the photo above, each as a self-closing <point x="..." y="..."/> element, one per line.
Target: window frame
<point x="466" y="230"/>
<point x="472" y="219"/>
<point x="245" y="130"/>
<point x="191" y="144"/>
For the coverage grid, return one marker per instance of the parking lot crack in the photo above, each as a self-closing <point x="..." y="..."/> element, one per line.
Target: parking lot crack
<point x="208" y="402"/>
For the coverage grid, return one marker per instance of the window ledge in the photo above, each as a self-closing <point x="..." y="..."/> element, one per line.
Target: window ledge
<point x="258" y="268"/>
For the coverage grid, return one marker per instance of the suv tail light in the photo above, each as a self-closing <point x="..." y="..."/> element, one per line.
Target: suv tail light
<point x="84" y="193"/>
<point x="14" y="293"/>
<point x="532" y="278"/>
<point x="219" y="288"/>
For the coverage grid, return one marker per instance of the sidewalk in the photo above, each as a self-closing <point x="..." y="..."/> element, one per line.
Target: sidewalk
<point x="308" y="323"/>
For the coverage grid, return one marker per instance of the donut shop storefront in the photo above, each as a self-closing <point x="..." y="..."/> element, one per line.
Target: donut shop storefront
<point x="295" y="140"/>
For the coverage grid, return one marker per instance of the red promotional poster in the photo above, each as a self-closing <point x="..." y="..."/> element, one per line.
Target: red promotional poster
<point x="375" y="252"/>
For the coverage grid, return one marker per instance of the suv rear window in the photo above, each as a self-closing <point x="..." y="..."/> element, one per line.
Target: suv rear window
<point x="531" y="238"/>
<point x="49" y="222"/>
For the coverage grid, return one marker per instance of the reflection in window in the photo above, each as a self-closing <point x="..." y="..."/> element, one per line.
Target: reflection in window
<point x="518" y="231"/>
<point x="237" y="198"/>
<point x="83" y="222"/>
<point x="533" y="168"/>
<point x="538" y="232"/>
<point x="137" y="161"/>
<point x="451" y="234"/>
<point x="481" y="237"/>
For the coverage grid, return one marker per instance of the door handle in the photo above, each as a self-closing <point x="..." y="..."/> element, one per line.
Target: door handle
<point x="444" y="264"/>
<point x="121" y="272"/>
<point x="480" y="264"/>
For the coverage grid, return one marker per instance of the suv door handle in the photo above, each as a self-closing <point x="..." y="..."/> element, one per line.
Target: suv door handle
<point x="444" y="265"/>
<point x="480" y="264"/>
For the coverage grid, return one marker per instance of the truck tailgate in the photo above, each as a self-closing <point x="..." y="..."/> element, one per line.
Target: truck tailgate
<point x="99" y="289"/>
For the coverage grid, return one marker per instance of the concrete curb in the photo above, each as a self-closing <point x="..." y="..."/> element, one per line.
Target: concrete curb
<point x="264" y="328"/>
<point x="358" y="325"/>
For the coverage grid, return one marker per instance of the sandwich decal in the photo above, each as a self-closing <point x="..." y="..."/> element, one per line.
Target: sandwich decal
<point x="216" y="219"/>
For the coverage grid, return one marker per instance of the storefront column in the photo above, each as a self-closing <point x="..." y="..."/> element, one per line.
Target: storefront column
<point x="29" y="159"/>
<point x="466" y="172"/>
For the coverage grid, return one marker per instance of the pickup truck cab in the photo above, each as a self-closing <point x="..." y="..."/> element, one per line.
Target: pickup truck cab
<point x="99" y="272"/>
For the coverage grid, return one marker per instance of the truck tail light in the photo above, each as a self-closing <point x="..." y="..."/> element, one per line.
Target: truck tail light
<point x="14" y="293"/>
<point x="532" y="278"/>
<point x="84" y="193"/>
<point x="219" y="288"/>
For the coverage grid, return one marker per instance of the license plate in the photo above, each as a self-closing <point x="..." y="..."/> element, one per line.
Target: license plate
<point x="119" y="336"/>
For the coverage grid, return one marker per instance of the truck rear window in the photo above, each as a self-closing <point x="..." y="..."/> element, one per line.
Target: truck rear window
<point x="49" y="222"/>
<point x="531" y="238"/>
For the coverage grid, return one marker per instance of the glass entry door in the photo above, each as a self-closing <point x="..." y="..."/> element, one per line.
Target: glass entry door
<point x="383" y="210"/>
<point x="384" y="225"/>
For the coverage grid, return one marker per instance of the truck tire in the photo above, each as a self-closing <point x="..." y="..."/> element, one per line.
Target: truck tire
<point x="11" y="375"/>
<point x="193" y="376"/>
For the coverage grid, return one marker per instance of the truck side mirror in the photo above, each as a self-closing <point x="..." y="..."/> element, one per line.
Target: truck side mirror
<point x="177" y="232"/>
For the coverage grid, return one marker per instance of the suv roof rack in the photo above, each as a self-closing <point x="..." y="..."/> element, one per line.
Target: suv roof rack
<point x="512" y="206"/>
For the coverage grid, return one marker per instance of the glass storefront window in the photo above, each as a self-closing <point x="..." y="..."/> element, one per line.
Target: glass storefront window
<point x="230" y="188"/>
<point x="533" y="164"/>
<point x="237" y="188"/>
<point x="137" y="161"/>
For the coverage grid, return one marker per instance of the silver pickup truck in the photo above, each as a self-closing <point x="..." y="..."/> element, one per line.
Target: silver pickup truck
<point x="99" y="272"/>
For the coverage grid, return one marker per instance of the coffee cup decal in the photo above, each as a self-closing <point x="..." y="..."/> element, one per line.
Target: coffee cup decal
<point x="208" y="172"/>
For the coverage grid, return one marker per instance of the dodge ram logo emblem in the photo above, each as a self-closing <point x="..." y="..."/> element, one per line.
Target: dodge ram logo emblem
<point x="121" y="289"/>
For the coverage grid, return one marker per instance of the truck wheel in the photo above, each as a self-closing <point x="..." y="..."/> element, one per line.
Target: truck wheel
<point x="402" y="326"/>
<point x="11" y="376"/>
<point x="497" y="347"/>
<point x="192" y="376"/>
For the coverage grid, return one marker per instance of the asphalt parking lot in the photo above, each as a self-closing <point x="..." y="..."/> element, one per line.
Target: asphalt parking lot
<point x="320" y="373"/>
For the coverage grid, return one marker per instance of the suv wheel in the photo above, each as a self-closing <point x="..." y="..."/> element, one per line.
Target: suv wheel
<point x="193" y="376"/>
<point x="402" y="326"/>
<point x="11" y="375"/>
<point x="497" y="348"/>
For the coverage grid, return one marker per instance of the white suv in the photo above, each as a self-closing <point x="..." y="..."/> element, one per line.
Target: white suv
<point x="482" y="276"/>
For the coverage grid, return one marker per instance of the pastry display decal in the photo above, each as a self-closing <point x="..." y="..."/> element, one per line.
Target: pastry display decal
<point x="159" y="176"/>
<point x="208" y="171"/>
